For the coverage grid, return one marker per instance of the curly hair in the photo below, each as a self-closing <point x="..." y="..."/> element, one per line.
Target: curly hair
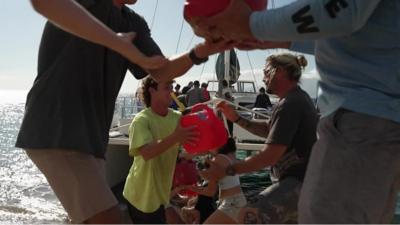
<point x="148" y="83"/>
<point x="293" y="64"/>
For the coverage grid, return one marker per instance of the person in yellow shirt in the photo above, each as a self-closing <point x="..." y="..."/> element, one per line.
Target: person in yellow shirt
<point x="154" y="139"/>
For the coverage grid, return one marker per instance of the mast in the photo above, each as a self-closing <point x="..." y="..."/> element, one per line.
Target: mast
<point x="227" y="56"/>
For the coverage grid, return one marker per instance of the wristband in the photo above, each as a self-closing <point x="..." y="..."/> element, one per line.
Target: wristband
<point x="195" y="59"/>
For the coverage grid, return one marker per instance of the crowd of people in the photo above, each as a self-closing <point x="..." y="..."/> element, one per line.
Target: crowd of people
<point x="349" y="174"/>
<point x="191" y="94"/>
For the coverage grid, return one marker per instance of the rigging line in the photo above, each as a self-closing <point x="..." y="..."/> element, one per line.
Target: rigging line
<point x="154" y="16"/>
<point x="180" y="35"/>
<point x="252" y="69"/>
<point x="190" y="42"/>
<point x="215" y="72"/>
<point x="202" y="70"/>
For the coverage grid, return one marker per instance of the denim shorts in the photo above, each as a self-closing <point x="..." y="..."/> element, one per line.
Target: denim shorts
<point x="231" y="205"/>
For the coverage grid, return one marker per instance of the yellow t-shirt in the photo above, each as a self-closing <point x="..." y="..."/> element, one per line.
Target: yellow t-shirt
<point x="149" y="183"/>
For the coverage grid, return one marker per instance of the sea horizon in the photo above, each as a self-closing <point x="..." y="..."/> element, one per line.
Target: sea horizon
<point x="13" y="96"/>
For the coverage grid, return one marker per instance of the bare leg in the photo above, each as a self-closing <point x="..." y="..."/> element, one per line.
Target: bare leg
<point x="219" y="217"/>
<point x="109" y="216"/>
<point x="249" y="216"/>
<point x="172" y="216"/>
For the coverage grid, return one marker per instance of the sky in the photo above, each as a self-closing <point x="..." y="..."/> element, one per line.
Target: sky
<point x="22" y="28"/>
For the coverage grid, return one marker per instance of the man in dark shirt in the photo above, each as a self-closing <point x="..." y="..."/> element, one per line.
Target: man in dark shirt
<point x="195" y="94"/>
<point x="187" y="87"/>
<point x="290" y="133"/>
<point x="70" y="106"/>
<point x="262" y="100"/>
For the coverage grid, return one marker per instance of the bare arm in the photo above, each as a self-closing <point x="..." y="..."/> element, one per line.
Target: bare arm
<point x="258" y="128"/>
<point x="73" y="18"/>
<point x="155" y="148"/>
<point x="180" y="135"/>
<point x="255" y="127"/>
<point x="179" y="65"/>
<point x="269" y="156"/>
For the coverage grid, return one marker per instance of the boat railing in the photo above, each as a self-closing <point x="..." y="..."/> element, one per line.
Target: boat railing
<point x="213" y="103"/>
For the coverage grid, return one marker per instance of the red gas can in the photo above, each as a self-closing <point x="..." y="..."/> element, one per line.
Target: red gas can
<point x="185" y="174"/>
<point x="207" y="8"/>
<point x="212" y="132"/>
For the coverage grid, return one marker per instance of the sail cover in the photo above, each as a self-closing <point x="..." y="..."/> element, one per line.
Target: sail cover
<point x="234" y="67"/>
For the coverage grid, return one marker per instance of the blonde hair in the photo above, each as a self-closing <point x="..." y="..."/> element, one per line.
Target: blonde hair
<point x="293" y="64"/>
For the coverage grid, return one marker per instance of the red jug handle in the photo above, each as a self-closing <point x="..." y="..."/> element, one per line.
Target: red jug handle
<point x="199" y="107"/>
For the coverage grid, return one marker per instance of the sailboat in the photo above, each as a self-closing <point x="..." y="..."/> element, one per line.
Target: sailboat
<point x="227" y="67"/>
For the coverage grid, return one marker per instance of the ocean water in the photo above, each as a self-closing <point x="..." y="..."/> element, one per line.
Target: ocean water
<point x="25" y="196"/>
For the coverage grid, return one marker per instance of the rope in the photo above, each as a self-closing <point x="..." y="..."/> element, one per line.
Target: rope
<point x="154" y="16"/>
<point x="202" y="70"/>
<point x="252" y="69"/>
<point x="190" y="42"/>
<point x="179" y="38"/>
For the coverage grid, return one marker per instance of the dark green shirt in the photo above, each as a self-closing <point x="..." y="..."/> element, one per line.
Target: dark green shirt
<point x="293" y="123"/>
<point x="71" y="103"/>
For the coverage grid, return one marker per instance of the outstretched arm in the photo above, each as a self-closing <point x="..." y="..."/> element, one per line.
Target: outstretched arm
<point x="255" y="127"/>
<point x="310" y="20"/>
<point x="73" y="18"/>
<point x="258" y="128"/>
<point x="269" y="156"/>
<point x="180" y="135"/>
<point x="300" y="20"/>
<point x="180" y="64"/>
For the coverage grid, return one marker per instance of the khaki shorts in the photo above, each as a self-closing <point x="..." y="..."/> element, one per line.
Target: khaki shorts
<point x="78" y="180"/>
<point x="354" y="171"/>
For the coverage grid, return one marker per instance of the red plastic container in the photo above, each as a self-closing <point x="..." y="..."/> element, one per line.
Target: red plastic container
<point x="207" y="8"/>
<point x="212" y="132"/>
<point x="185" y="174"/>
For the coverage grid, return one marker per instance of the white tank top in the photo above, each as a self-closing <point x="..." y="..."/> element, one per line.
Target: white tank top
<point x="228" y="182"/>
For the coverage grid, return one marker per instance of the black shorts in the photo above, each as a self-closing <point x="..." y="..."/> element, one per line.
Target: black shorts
<point x="139" y="217"/>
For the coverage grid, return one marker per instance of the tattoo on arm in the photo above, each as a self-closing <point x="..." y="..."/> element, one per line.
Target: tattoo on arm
<point x="257" y="128"/>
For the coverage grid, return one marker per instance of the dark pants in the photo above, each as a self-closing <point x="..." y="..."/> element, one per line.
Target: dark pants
<point x="139" y="217"/>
